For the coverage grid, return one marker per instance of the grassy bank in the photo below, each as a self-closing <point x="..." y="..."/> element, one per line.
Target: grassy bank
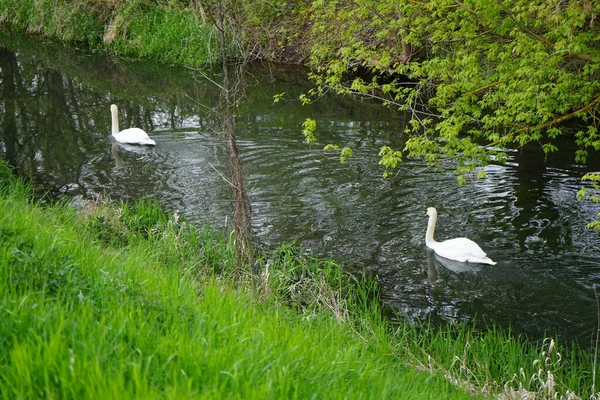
<point x="125" y="302"/>
<point x="169" y="32"/>
<point x="173" y="32"/>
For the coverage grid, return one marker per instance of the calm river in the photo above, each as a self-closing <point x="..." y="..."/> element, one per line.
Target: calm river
<point x="55" y="127"/>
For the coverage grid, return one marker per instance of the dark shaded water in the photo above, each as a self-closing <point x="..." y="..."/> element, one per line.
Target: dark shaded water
<point x="55" y="127"/>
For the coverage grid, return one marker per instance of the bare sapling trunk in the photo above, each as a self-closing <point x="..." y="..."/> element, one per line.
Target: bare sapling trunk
<point x="230" y="95"/>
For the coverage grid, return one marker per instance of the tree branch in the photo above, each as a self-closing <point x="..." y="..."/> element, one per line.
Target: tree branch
<point x="562" y="118"/>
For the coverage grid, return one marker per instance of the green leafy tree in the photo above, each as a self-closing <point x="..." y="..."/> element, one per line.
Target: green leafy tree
<point x="476" y="76"/>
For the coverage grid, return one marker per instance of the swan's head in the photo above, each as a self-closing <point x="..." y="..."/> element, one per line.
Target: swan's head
<point x="113" y="108"/>
<point x="431" y="212"/>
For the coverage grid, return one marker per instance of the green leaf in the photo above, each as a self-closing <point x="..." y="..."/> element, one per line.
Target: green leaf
<point x="309" y="126"/>
<point x="345" y="153"/>
<point x="389" y="159"/>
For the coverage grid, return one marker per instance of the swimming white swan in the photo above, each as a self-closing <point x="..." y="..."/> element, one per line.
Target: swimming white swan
<point x="459" y="249"/>
<point x="128" y="136"/>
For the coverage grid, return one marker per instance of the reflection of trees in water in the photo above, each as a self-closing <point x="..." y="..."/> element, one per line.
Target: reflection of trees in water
<point x="9" y="74"/>
<point x="538" y="216"/>
<point x="42" y="130"/>
<point x="49" y="124"/>
<point x="55" y="114"/>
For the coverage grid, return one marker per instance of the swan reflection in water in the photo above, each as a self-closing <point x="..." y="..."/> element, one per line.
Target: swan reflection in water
<point x="114" y="149"/>
<point x="454" y="266"/>
<point x="117" y="148"/>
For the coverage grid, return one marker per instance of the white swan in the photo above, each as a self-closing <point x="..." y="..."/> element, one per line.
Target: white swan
<point x="459" y="249"/>
<point x="128" y="136"/>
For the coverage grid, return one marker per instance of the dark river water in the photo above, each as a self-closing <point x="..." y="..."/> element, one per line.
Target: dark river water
<point x="55" y="127"/>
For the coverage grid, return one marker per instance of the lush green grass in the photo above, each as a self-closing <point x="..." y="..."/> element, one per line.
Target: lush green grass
<point x="171" y="35"/>
<point x="126" y="302"/>
<point x="174" y="32"/>
<point x="495" y="362"/>
<point x="64" y="20"/>
<point x="169" y="32"/>
<point x="88" y="313"/>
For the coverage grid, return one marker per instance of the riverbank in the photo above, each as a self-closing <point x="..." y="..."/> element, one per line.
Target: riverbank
<point x="108" y="300"/>
<point x="172" y="33"/>
<point x="124" y="302"/>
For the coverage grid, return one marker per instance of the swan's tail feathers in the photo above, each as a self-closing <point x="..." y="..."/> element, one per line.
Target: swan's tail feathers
<point x="149" y="142"/>
<point x="488" y="260"/>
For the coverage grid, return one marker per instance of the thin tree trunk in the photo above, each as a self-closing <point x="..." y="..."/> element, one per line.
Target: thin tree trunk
<point x="229" y="98"/>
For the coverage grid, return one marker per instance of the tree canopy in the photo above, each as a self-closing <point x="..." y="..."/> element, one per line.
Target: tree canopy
<point x="476" y="76"/>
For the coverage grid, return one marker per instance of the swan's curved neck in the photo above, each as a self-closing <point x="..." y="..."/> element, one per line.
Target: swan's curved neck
<point x="115" y="120"/>
<point x="429" y="240"/>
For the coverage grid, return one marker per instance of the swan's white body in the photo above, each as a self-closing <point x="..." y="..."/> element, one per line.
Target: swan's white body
<point x="128" y="136"/>
<point x="459" y="249"/>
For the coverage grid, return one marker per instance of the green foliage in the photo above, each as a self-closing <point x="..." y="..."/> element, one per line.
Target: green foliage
<point x="499" y="74"/>
<point x="594" y="196"/>
<point x="345" y="154"/>
<point x="168" y="34"/>
<point x="309" y="126"/>
<point x="304" y="99"/>
<point x="65" y="20"/>
<point x="180" y="32"/>
<point x="171" y="32"/>
<point x="6" y="176"/>
<point x="277" y="97"/>
<point x="389" y="159"/>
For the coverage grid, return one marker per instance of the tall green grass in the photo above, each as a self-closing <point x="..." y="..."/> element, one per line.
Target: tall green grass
<point x="495" y="362"/>
<point x="124" y="301"/>
<point x="145" y="314"/>
<point x="169" y="32"/>
<point x="170" y="35"/>
<point x="69" y="21"/>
